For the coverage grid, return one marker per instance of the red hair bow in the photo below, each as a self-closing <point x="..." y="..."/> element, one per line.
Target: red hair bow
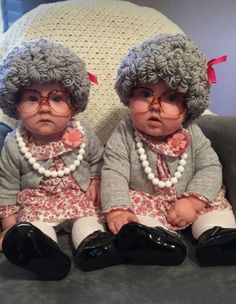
<point x="210" y="70"/>
<point x="92" y="78"/>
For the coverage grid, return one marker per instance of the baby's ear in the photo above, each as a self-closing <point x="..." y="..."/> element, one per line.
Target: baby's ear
<point x="17" y="112"/>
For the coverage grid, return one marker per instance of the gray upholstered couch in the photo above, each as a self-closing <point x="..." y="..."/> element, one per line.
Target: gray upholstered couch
<point x="129" y="284"/>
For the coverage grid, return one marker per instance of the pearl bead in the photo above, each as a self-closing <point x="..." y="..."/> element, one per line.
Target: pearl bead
<point x="76" y="163"/>
<point x="47" y="173"/>
<point x="41" y="170"/>
<point x="174" y="180"/>
<point x="147" y="170"/>
<point x="19" y="139"/>
<point x="81" y="151"/>
<point x="79" y="157"/>
<point x="145" y="163"/>
<point x="143" y="157"/>
<point x="141" y="151"/>
<point x="182" y="162"/>
<point x="139" y="145"/>
<point x="168" y="184"/>
<point x="155" y="181"/>
<point x="24" y="150"/>
<point x="72" y="167"/>
<point x="28" y="155"/>
<point x="54" y="173"/>
<point x="60" y="173"/>
<point x="151" y="176"/>
<point x="180" y="169"/>
<point x="184" y="156"/>
<point x="22" y="144"/>
<point x="83" y="145"/>
<point x="161" y="184"/>
<point x="178" y="175"/>
<point x="67" y="171"/>
<point x="32" y="160"/>
<point x="36" y="166"/>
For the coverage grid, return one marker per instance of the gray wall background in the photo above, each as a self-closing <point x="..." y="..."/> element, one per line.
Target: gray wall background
<point x="212" y="25"/>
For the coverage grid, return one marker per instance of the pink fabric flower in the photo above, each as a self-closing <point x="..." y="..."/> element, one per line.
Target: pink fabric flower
<point x="178" y="142"/>
<point x="73" y="138"/>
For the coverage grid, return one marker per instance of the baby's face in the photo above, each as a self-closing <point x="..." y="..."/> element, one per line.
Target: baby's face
<point x="45" y="110"/>
<point x="157" y="110"/>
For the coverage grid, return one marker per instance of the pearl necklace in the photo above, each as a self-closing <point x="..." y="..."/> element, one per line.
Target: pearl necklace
<point x="41" y="170"/>
<point x="150" y="175"/>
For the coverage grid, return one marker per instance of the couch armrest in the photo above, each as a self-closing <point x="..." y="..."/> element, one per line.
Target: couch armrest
<point x="221" y="130"/>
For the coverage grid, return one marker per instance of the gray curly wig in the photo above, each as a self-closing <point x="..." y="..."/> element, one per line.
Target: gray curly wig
<point x="42" y="61"/>
<point x="175" y="60"/>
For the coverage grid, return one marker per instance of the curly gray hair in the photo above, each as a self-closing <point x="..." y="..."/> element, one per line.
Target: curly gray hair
<point x="42" y="61"/>
<point x="175" y="60"/>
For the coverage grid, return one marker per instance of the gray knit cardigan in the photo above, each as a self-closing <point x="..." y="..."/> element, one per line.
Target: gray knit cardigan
<point x="16" y="173"/>
<point x="122" y="168"/>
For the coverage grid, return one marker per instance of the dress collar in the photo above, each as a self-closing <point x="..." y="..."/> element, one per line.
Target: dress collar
<point x="173" y="145"/>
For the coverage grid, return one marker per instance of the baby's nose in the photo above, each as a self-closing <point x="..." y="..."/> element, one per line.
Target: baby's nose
<point x="155" y="105"/>
<point x="44" y="105"/>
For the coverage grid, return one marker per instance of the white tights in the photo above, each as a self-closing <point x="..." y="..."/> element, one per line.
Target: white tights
<point x="80" y="228"/>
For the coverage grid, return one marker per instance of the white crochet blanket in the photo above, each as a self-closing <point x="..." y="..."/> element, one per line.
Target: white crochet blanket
<point x="101" y="32"/>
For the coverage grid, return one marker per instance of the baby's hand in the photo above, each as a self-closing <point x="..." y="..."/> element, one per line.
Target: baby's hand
<point x="182" y="213"/>
<point x="93" y="191"/>
<point x="117" y="219"/>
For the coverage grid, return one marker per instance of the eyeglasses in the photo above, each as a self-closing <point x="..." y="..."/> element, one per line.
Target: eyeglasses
<point x="170" y="103"/>
<point x="31" y="101"/>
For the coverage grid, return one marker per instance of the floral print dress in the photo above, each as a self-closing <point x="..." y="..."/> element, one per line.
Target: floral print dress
<point x="157" y="205"/>
<point x="57" y="198"/>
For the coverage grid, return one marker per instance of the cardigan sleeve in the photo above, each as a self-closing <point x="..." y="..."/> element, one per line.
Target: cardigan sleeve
<point x="95" y="155"/>
<point x="116" y="171"/>
<point x="207" y="175"/>
<point x="9" y="174"/>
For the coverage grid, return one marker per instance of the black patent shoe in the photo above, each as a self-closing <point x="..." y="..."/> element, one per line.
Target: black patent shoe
<point x="98" y="250"/>
<point x="146" y="245"/>
<point x="28" y="247"/>
<point x="217" y="247"/>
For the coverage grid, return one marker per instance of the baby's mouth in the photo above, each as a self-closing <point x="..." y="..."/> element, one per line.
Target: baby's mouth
<point x="153" y="118"/>
<point x="45" y="120"/>
<point x="154" y="122"/>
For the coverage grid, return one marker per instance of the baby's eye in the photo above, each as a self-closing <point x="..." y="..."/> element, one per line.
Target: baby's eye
<point x="32" y="98"/>
<point x="57" y="99"/>
<point x="143" y="93"/>
<point x="172" y="97"/>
